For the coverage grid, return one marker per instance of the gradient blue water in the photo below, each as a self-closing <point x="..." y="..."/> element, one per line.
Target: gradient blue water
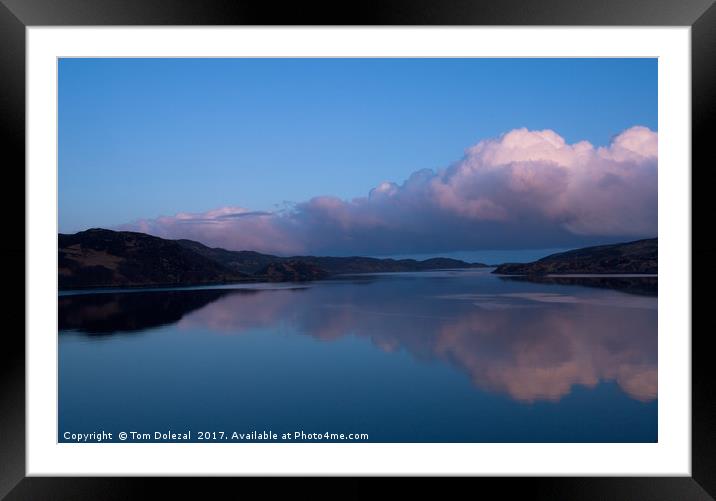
<point x="451" y="356"/>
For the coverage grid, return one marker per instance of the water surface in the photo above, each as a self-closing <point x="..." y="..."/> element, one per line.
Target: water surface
<point x="447" y="356"/>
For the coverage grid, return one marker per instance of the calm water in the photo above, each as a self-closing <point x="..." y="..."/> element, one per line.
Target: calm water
<point x="449" y="356"/>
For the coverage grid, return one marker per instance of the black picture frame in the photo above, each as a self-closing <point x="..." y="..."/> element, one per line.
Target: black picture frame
<point x="16" y="15"/>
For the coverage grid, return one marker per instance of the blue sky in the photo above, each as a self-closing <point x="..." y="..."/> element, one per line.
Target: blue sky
<point x="142" y="138"/>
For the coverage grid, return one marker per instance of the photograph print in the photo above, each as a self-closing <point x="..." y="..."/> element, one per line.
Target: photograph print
<point x="353" y="250"/>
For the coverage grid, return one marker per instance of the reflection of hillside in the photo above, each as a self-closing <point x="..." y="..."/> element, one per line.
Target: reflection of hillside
<point x="528" y="350"/>
<point x="643" y="286"/>
<point x="112" y="313"/>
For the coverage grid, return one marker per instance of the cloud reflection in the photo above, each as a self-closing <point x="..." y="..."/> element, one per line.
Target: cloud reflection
<point x="529" y="348"/>
<point x="532" y="346"/>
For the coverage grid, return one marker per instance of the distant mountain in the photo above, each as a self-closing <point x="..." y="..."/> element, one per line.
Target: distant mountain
<point x="105" y="258"/>
<point x="254" y="262"/>
<point x="640" y="256"/>
<point x="357" y="264"/>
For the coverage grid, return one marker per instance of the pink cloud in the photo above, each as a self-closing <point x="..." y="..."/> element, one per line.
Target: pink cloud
<point x="524" y="188"/>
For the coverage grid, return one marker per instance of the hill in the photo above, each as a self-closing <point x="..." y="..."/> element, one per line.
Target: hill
<point x="104" y="258"/>
<point x="291" y="271"/>
<point x="640" y="256"/>
<point x="254" y="262"/>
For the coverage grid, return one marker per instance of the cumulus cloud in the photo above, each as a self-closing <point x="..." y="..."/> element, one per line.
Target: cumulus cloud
<point x="523" y="189"/>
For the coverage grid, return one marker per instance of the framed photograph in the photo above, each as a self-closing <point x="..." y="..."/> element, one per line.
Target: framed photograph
<point x="426" y="240"/>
